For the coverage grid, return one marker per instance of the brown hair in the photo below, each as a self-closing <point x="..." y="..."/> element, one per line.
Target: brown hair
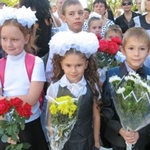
<point x="30" y="47"/>
<point x="138" y="33"/>
<point x="90" y="73"/>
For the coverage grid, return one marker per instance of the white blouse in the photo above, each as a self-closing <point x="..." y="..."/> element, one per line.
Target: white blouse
<point x="16" y="81"/>
<point x="77" y="89"/>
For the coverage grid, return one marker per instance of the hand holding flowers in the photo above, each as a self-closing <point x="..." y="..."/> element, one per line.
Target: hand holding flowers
<point x="14" y="114"/>
<point x="132" y="104"/>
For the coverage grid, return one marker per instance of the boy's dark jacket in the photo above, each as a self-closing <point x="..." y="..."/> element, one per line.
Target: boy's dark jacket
<point x="110" y="120"/>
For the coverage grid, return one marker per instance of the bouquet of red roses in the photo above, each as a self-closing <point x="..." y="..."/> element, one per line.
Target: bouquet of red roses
<point x="107" y="51"/>
<point x="13" y="114"/>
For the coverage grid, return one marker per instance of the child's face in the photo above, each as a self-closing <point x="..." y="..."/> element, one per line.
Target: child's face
<point x="74" y="66"/>
<point x="74" y="17"/>
<point x="136" y="51"/>
<point x="111" y="34"/>
<point x="95" y="27"/>
<point x="86" y="14"/>
<point x="13" y="40"/>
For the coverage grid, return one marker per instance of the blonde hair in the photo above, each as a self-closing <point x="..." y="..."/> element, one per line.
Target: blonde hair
<point x="143" y="9"/>
<point x="138" y="33"/>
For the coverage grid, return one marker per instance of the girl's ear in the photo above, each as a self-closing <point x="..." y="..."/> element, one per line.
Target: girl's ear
<point x="27" y="39"/>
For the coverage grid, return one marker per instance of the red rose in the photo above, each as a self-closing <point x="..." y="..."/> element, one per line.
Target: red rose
<point x="113" y="48"/>
<point x="116" y="40"/>
<point x="104" y="45"/>
<point x="17" y="102"/>
<point x="98" y="37"/>
<point x="25" y="110"/>
<point x="4" y="107"/>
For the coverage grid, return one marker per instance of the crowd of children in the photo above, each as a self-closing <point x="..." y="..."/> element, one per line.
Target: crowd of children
<point x="70" y="69"/>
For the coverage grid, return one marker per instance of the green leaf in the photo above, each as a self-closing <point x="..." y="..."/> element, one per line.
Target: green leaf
<point x="1" y="131"/>
<point x="4" y="138"/>
<point x="19" y="146"/>
<point x="14" y="128"/>
<point x="14" y="137"/>
<point x="22" y="126"/>
<point x="26" y="145"/>
<point x="8" y="147"/>
<point x="9" y="130"/>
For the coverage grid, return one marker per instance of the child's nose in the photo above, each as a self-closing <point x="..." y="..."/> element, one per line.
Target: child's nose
<point x="137" y="52"/>
<point x="73" y="69"/>
<point x="9" y="43"/>
<point x="77" y="15"/>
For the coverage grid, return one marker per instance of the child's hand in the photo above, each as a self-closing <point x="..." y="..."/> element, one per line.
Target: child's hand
<point x="97" y="145"/>
<point x="130" y="137"/>
<point x="11" y="141"/>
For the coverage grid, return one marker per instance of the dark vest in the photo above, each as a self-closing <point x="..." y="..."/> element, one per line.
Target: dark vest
<point x="83" y="127"/>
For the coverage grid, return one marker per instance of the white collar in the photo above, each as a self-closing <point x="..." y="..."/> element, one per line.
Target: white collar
<point x="19" y="56"/>
<point x="65" y="82"/>
<point x="77" y="89"/>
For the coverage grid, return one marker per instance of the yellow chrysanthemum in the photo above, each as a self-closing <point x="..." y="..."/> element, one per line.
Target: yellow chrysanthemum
<point x="53" y="109"/>
<point x="66" y="107"/>
<point x="63" y="108"/>
<point x="73" y="107"/>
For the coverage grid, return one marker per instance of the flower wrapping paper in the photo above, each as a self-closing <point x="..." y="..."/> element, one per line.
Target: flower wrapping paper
<point x="61" y="117"/>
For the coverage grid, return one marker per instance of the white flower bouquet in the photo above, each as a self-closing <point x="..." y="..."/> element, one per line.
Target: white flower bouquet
<point x="131" y="100"/>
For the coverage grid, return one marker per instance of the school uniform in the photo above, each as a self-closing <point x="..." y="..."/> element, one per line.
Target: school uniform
<point x="111" y="125"/>
<point x="140" y="21"/>
<point x="16" y="82"/>
<point x="82" y="137"/>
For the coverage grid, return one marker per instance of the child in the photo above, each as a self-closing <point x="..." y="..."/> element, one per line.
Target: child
<point x="73" y="15"/>
<point x="72" y="12"/>
<point x="75" y="72"/>
<point x="16" y="28"/>
<point x="115" y="31"/>
<point x="95" y="25"/>
<point x="136" y="47"/>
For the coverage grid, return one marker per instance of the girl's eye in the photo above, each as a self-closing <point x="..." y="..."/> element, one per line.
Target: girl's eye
<point x="79" y="65"/>
<point x="67" y="65"/>
<point x="142" y="48"/>
<point x="14" y="39"/>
